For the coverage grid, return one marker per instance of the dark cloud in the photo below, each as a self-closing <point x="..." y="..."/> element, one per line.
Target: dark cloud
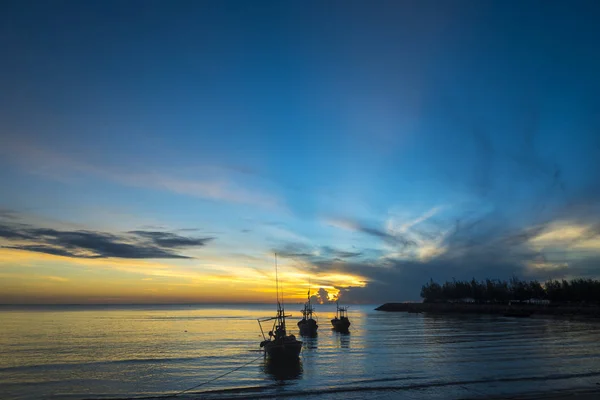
<point x="92" y="244"/>
<point x="314" y="254"/>
<point x="295" y="250"/>
<point x="8" y="214"/>
<point x="171" y="240"/>
<point x="49" y="250"/>
<point x="13" y="232"/>
<point x="339" y="253"/>
<point x="378" y="233"/>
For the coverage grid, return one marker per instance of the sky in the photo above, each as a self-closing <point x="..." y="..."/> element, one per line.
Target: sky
<point x="163" y="152"/>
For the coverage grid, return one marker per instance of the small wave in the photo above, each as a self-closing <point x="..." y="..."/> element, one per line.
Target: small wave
<point x="108" y="362"/>
<point x="371" y="388"/>
<point x="243" y="392"/>
<point x="404" y="378"/>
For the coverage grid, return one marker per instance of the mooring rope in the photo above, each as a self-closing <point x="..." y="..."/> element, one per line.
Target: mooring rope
<point x="213" y="379"/>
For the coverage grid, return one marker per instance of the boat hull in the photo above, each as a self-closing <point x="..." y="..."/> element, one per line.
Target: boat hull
<point x="341" y="325"/>
<point x="282" y="351"/>
<point x="308" y="327"/>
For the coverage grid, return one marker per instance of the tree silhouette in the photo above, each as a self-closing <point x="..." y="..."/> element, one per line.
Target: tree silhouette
<point x="497" y="291"/>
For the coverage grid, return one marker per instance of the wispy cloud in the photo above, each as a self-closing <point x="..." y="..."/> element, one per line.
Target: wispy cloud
<point x="309" y="253"/>
<point x="356" y="226"/>
<point x="22" y="276"/>
<point x="221" y="189"/>
<point x="56" y="278"/>
<point x="396" y="225"/>
<point x="218" y="184"/>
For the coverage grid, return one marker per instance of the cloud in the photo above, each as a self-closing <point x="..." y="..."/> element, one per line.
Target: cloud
<point x="312" y="254"/>
<point x="171" y="240"/>
<point x="521" y="221"/>
<point x="94" y="244"/>
<point x="326" y="250"/>
<point x="480" y="245"/>
<point x="356" y="226"/>
<point x="221" y="189"/>
<point x="467" y="255"/>
<point x="395" y="226"/>
<point x="296" y="250"/>
<point x="208" y="182"/>
<point x="7" y="214"/>
<point x="54" y="251"/>
<point x="56" y="278"/>
<point x="11" y="233"/>
<point x="322" y="297"/>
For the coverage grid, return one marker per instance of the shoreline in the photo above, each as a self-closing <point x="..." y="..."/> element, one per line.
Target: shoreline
<point x="586" y="393"/>
<point x="493" y="309"/>
<point x="579" y="393"/>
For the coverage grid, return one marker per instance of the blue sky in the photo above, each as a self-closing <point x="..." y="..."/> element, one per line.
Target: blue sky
<point x="362" y="141"/>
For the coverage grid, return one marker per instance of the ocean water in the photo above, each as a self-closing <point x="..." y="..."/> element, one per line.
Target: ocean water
<point x="88" y="352"/>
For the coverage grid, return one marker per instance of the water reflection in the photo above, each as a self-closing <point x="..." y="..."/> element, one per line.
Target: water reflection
<point x="343" y="339"/>
<point x="145" y="349"/>
<point x="283" y="371"/>
<point x="309" y="343"/>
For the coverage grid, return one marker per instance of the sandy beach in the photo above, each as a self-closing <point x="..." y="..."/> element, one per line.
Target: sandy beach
<point x="579" y="394"/>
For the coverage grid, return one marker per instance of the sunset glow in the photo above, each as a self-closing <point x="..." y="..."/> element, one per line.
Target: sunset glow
<point x="166" y="153"/>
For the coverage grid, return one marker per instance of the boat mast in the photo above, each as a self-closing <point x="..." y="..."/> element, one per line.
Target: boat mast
<point x="276" y="281"/>
<point x="309" y="309"/>
<point x="280" y="309"/>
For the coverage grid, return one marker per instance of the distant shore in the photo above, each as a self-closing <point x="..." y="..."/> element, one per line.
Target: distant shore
<point x="500" y="309"/>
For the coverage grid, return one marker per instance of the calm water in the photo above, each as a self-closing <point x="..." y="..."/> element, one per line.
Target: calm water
<point x="103" y="352"/>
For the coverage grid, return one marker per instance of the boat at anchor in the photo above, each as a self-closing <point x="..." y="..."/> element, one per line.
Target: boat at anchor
<point x="279" y="346"/>
<point x="340" y="322"/>
<point x="308" y="324"/>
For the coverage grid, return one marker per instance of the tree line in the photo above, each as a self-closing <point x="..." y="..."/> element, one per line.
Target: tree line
<point x="498" y="291"/>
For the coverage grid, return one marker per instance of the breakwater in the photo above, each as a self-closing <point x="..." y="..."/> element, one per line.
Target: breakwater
<point x="474" y="308"/>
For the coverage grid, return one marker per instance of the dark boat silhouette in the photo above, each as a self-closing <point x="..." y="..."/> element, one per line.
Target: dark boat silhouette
<point x="308" y="324"/>
<point x="280" y="346"/>
<point x="340" y="322"/>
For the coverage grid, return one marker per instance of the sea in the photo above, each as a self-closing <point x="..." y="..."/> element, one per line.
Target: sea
<point x="212" y="352"/>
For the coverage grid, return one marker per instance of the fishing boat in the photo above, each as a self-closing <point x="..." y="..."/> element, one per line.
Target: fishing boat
<point x="341" y="323"/>
<point x="279" y="346"/>
<point x="308" y="324"/>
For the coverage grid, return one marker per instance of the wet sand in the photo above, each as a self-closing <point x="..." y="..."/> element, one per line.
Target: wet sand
<point x="579" y="394"/>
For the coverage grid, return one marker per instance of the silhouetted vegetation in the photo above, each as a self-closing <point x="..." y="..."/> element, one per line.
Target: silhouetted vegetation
<point x="497" y="291"/>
